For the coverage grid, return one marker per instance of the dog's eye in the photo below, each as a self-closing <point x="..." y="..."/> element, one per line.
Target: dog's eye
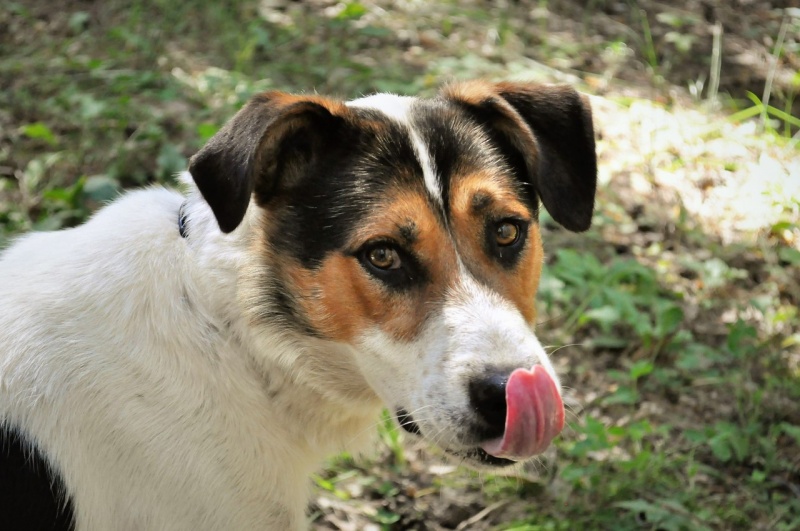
<point x="384" y="257"/>
<point x="505" y="239"/>
<point x="389" y="263"/>
<point x="506" y="233"/>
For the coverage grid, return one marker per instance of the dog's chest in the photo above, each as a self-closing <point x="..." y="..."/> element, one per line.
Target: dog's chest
<point x="199" y="454"/>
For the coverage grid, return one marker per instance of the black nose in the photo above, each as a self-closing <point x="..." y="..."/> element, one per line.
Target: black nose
<point x="487" y="395"/>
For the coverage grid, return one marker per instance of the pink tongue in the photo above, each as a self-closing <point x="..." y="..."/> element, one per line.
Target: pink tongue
<point x="534" y="415"/>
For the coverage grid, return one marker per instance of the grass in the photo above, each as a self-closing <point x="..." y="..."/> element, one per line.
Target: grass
<point x="685" y="364"/>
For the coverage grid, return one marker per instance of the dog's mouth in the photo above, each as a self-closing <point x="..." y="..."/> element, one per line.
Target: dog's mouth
<point x="475" y="454"/>
<point x="480" y="456"/>
<point x="534" y="417"/>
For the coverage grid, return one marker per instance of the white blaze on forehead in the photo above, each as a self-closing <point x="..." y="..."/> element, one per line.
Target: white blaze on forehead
<point x="399" y="109"/>
<point x="392" y="105"/>
<point x="428" y="169"/>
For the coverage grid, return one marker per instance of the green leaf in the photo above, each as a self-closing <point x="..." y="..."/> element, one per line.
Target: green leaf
<point x="623" y="395"/>
<point x="791" y="430"/>
<point x="388" y="489"/>
<point x="641" y="368"/>
<point x="696" y="436"/>
<point x="781" y="226"/>
<point x="720" y="448"/>
<point x="744" y="114"/>
<point x="642" y="506"/>
<point x="670" y="19"/>
<point x="740" y="337"/>
<point x="609" y="341"/>
<point x="39" y="131"/>
<point x="375" y="31"/>
<point x="324" y="483"/>
<point x="755" y="99"/>
<point x="386" y="517"/>
<point x="728" y="442"/>
<point x="206" y="130"/>
<point x="617" y="432"/>
<point x="352" y="10"/>
<point x="605" y="316"/>
<point x="638" y="430"/>
<point x="740" y="444"/>
<point x="667" y="515"/>
<point x="170" y="161"/>
<point x="789" y="254"/>
<point x="89" y="108"/>
<point x="786" y="117"/>
<point x="78" y="21"/>
<point x="668" y="319"/>
<point x="101" y="188"/>
<point x="683" y="42"/>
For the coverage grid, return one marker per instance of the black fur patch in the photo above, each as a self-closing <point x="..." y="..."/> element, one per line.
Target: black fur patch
<point x="341" y="185"/>
<point x="483" y="116"/>
<point x="31" y="492"/>
<point x="280" y="305"/>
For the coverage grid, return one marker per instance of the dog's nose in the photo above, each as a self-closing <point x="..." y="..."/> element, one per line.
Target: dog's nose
<point x="487" y="395"/>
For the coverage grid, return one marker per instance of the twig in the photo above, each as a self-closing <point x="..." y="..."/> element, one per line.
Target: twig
<point x="774" y="66"/>
<point x="474" y="519"/>
<point x="716" y="63"/>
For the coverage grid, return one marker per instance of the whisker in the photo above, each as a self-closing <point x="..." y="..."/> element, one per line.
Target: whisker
<point x="378" y="423"/>
<point x="556" y="349"/>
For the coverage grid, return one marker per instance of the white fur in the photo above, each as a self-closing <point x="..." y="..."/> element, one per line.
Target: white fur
<point x="120" y="335"/>
<point x="399" y="109"/>
<point x="392" y="105"/>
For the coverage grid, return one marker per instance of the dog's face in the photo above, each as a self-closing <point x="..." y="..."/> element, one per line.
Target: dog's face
<point x="407" y="229"/>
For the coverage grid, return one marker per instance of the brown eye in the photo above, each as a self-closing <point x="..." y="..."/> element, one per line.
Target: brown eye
<point x="506" y="233"/>
<point x="384" y="257"/>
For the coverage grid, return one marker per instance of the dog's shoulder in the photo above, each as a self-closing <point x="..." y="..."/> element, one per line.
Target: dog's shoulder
<point x="64" y="284"/>
<point x="138" y="218"/>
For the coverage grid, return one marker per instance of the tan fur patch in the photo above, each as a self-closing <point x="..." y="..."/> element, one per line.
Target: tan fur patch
<point x="334" y="375"/>
<point x="497" y="199"/>
<point x="292" y="104"/>
<point x="473" y="92"/>
<point x="285" y="100"/>
<point x="341" y="299"/>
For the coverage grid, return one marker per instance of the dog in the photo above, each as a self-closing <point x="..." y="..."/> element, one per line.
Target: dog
<point x="185" y="360"/>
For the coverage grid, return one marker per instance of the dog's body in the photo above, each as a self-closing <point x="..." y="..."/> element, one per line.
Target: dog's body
<point x="157" y="372"/>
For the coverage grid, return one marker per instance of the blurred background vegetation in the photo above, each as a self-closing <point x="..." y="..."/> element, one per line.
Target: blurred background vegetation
<point x="674" y="321"/>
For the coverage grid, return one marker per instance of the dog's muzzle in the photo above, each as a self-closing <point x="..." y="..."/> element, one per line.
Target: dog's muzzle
<point x="517" y="416"/>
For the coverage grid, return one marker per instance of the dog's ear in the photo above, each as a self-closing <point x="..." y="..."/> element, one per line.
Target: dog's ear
<point x="267" y="144"/>
<point x="547" y="132"/>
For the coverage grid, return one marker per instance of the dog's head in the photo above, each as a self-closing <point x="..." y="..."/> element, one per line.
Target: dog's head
<point x="407" y="229"/>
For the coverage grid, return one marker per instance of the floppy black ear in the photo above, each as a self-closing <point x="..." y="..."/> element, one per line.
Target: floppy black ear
<point x="550" y="126"/>
<point x="267" y="141"/>
<point x="561" y="121"/>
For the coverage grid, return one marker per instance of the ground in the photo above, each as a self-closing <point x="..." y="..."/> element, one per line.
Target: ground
<point x="673" y="321"/>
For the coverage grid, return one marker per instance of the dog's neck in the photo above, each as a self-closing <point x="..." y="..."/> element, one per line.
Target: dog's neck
<point x="321" y="373"/>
